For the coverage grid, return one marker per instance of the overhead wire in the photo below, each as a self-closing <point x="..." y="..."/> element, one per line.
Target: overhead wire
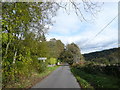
<point x="100" y="31"/>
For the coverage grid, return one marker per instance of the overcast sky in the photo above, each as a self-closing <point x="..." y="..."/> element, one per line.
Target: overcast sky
<point x="69" y="28"/>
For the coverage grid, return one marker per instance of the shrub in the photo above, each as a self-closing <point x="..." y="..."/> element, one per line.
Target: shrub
<point x="52" y="61"/>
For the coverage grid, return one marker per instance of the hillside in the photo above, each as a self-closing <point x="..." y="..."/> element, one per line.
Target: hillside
<point x="110" y="56"/>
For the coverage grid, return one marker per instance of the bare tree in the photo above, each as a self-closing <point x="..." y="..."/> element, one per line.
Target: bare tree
<point x="81" y="8"/>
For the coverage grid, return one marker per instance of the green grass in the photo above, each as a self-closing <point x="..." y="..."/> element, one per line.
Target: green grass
<point x="83" y="83"/>
<point x="47" y="71"/>
<point x="87" y="80"/>
<point x="35" y="78"/>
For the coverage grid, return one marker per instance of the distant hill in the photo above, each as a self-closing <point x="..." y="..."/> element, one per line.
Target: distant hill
<point x="109" y="56"/>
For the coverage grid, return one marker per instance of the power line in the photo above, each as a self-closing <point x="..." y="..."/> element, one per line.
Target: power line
<point x="101" y="30"/>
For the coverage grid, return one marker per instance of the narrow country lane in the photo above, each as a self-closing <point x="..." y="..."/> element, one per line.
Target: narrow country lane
<point x="60" y="78"/>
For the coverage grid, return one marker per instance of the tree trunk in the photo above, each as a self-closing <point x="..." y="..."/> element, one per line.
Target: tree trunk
<point x="14" y="59"/>
<point x="7" y="48"/>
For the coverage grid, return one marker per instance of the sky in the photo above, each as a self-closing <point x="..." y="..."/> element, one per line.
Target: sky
<point x="69" y="28"/>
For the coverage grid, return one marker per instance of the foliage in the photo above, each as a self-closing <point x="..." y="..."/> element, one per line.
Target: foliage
<point x="52" y="61"/>
<point x="71" y="54"/>
<point x="23" y="39"/>
<point x="97" y="69"/>
<point x="96" y="80"/>
<point x="24" y="25"/>
<point x="33" y="79"/>
<point x="83" y="83"/>
<point x="56" y="47"/>
<point x="107" y="57"/>
<point x="94" y="68"/>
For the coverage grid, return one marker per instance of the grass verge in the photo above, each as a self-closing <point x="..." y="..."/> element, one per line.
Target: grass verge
<point x="34" y="79"/>
<point x="83" y="83"/>
<point x="87" y="80"/>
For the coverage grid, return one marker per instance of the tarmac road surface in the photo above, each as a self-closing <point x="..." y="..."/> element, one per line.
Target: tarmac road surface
<point x="60" y="78"/>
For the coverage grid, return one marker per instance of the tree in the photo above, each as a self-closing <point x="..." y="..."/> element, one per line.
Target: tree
<point x="23" y="27"/>
<point x="20" y="18"/>
<point x="55" y="48"/>
<point x="71" y="54"/>
<point x="52" y="61"/>
<point x="81" y="8"/>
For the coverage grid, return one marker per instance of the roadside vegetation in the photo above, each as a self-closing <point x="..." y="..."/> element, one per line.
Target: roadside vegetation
<point x="34" y="79"/>
<point x="24" y="26"/>
<point x="96" y="72"/>
<point x="96" y="76"/>
<point x="24" y="41"/>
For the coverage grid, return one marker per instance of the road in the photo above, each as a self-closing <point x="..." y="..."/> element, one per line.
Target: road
<point x="60" y="78"/>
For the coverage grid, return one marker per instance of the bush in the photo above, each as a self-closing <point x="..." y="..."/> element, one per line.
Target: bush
<point x="52" y="61"/>
<point x="96" y="80"/>
<point x="97" y="69"/>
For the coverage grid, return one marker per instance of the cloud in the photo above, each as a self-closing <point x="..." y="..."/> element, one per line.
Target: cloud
<point x="65" y="24"/>
<point x="68" y="28"/>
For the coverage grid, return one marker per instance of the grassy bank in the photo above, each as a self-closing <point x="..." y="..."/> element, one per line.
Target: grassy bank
<point x="89" y="80"/>
<point x="35" y="78"/>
